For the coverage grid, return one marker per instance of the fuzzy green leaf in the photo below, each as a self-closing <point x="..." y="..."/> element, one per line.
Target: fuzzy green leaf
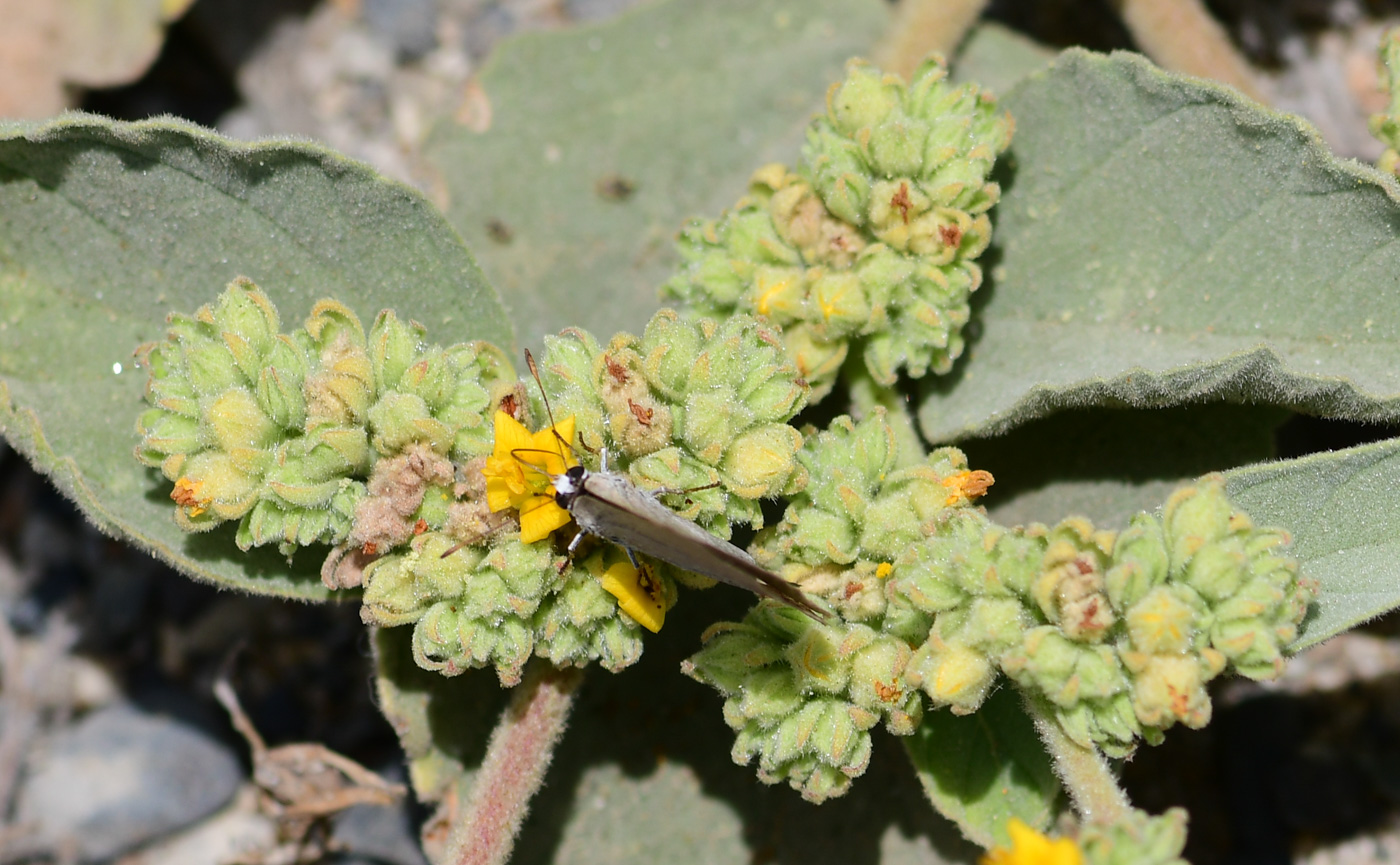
<point x="1163" y="241"/>
<point x="599" y="142"/>
<point x="1108" y="464"/>
<point x="107" y="227"/>
<point x="981" y="770"/>
<point x="1342" y="511"/>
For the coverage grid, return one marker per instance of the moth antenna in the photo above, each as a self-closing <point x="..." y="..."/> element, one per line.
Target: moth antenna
<point x="535" y="371"/>
<point x="541" y="469"/>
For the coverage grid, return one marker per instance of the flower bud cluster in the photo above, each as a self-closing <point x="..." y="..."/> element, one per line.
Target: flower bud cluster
<point x="802" y="697"/>
<point x="280" y="431"/>
<point x="695" y="405"/>
<point x="872" y="240"/>
<point x="1119" y="634"/>
<point x="499" y="604"/>
<point x="858" y="514"/>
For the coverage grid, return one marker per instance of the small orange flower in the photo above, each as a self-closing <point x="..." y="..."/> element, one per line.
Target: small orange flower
<point x="965" y="486"/>
<point x="189" y="495"/>
<point x="1029" y="847"/>
<point x="518" y="474"/>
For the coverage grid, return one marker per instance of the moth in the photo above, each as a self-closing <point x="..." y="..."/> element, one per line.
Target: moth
<point x="611" y="506"/>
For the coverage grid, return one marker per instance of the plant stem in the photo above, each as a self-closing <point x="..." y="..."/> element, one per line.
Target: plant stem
<point x="1085" y="773"/>
<point x="867" y="395"/>
<point x="923" y="26"/>
<point x="520" y="749"/>
<point x="1182" y="36"/>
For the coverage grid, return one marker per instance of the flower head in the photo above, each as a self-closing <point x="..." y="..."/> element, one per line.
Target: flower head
<point x="1029" y="847"/>
<point x="518" y="474"/>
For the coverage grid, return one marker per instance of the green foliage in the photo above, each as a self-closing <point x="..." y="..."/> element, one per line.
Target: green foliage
<point x="105" y="227"/>
<point x="1116" y="633"/>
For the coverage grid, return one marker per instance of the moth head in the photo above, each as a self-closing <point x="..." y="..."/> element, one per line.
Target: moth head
<point x="568" y="485"/>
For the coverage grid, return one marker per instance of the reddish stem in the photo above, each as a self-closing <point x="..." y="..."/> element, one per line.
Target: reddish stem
<point x="516" y="759"/>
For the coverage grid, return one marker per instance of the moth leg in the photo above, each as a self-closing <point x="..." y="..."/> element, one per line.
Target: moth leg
<point x="573" y="545"/>
<point x="631" y="557"/>
<point x="669" y="491"/>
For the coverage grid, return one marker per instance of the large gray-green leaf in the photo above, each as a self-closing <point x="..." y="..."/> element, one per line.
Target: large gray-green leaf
<point x="1163" y="241"/>
<point x="981" y="770"/>
<point x="1343" y="511"/>
<point x="603" y="140"/>
<point x="1108" y="464"/>
<point x="106" y="227"/>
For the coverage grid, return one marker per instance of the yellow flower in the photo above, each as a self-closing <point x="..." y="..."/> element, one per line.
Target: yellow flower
<point x="1029" y="847"/>
<point x="639" y="593"/>
<point x="518" y="474"/>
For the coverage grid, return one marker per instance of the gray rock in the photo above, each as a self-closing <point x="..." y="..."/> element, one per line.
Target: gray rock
<point x="118" y="778"/>
<point x="380" y="833"/>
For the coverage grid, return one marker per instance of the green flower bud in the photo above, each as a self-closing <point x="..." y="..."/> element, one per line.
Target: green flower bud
<point x="208" y="363"/>
<point x="279" y="395"/>
<point x="802" y="697"/>
<point x="1070" y="589"/>
<point x="1141" y="560"/>
<point x="817" y="358"/>
<point x="1194" y="516"/>
<point x="393" y="348"/>
<point x="952" y="674"/>
<point x="400" y="419"/>
<point x="760" y="462"/>
<point x="582" y="622"/>
<point x="1136" y="839"/>
<point x="1064" y="671"/>
<point x="1170" y="688"/>
<point x="164" y="433"/>
<point x="225" y="488"/>
<point x="1164" y="622"/>
<point x="864" y="99"/>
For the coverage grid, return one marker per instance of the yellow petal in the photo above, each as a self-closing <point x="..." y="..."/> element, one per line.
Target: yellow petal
<point x="638" y="592"/>
<point x="511" y="436"/>
<point x="1029" y="847"/>
<point x="548" y="451"/>
<point x="539" y="516"/>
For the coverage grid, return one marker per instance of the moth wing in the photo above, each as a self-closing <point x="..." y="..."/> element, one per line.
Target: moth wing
<point x="615" y="508"/>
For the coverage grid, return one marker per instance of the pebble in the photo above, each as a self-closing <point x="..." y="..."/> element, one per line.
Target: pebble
<point x="118" y="778"/>
<point x="380" y="834"/>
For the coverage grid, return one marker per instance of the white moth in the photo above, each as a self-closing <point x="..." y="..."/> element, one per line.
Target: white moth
<point x="609" y="505"/>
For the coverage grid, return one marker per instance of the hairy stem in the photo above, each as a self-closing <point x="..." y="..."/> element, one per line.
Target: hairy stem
<point x="867" y="394"/>
<point x="520" y="749"/>
<point x="923" y="26"/>
<point x="1085" y="773"/>
<point x="1181" y="36"/>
